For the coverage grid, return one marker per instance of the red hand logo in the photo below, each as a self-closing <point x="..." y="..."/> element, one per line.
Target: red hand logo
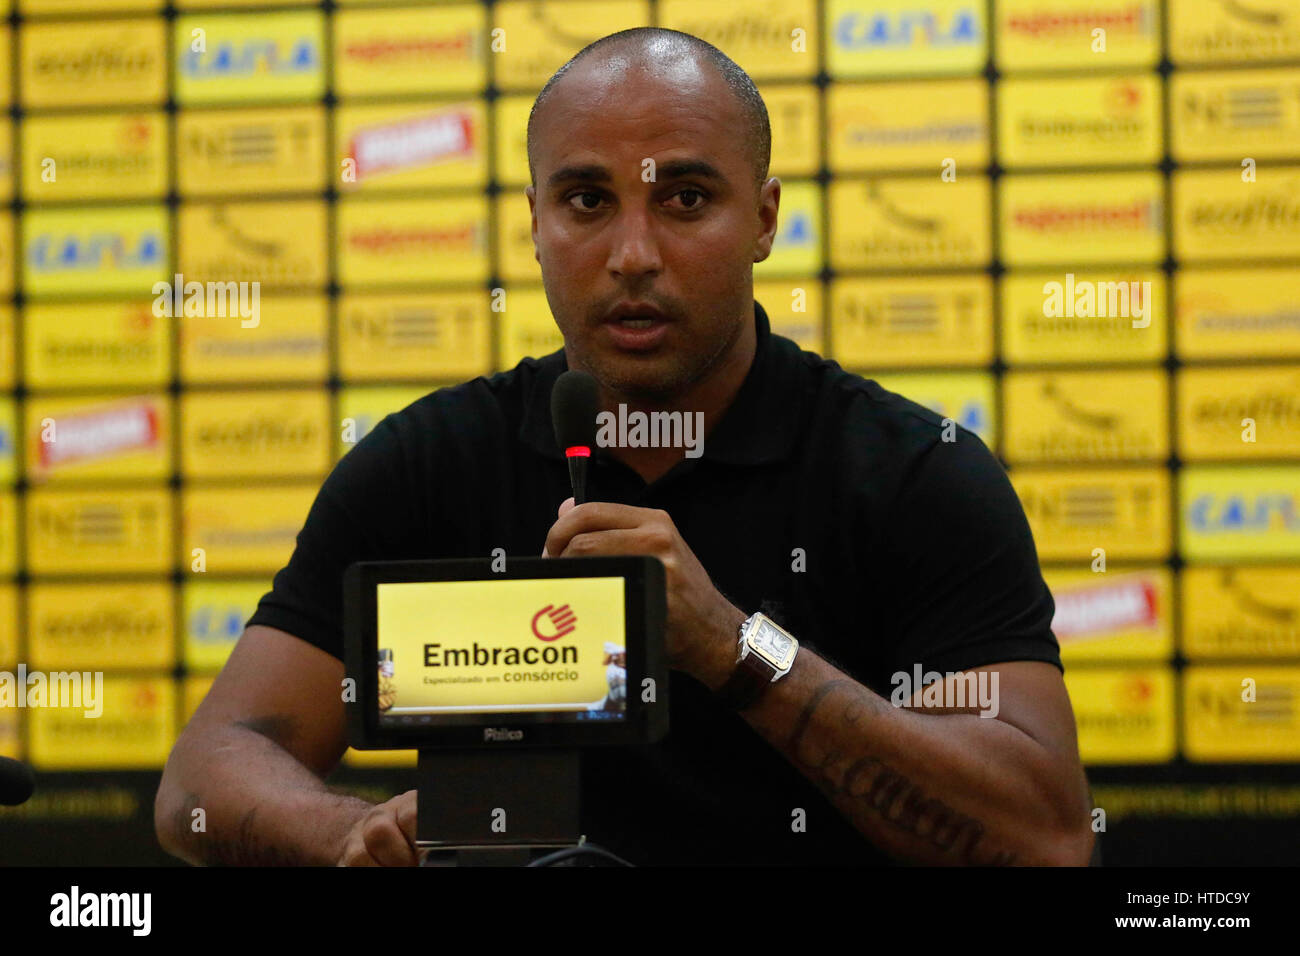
<point x="563" y="619"/>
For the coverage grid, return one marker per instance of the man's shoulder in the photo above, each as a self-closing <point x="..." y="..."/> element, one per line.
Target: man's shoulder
<point x="867" y="415"/>
<point x="482" y="408"/>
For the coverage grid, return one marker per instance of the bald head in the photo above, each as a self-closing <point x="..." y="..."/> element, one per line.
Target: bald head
<point x="676" y="58"/>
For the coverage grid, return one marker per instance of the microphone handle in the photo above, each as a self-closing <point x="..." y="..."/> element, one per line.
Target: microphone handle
<point x="578" y="477"/>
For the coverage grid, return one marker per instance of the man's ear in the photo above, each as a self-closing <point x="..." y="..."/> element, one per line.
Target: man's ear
<point x="769" y="202"/>
<point x="531" y="193"/>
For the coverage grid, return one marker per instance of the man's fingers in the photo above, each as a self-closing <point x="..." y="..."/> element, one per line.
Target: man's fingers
<point x="620" y="541"/>
<point x="386" y="844"/>
<point x="591" y="516"/>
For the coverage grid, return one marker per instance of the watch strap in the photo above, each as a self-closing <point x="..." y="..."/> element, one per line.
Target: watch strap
<point x="747" y="682"/>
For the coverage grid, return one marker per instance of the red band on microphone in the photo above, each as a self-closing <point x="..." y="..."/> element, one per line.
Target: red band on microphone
<point x="578" y="451"/>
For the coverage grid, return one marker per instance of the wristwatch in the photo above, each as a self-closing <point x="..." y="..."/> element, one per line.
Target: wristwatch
<point x="765" y="654"/>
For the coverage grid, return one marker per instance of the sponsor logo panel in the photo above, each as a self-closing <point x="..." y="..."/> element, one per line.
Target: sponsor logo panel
<point x="289" y="343"/>
<point x="8" y="631"/>
<point x="1101" y="331"/>
<point x="913" y="124"/>
<point x="136" y="730"/>
<point x="1232" y="31"/>
<point x="214" y="615"/>
<point x="1239" y="413"/>
<point x="404" y="241"/>
<point x="88" y="63"/>
<point x="255" y="150"/>
<point x="912" y="321"/>
<point x="905" y="223"/>
<point x="758" y="35"/>
<point x="279" y="244"/>
<point x="244" y="530"/>
<point x="9" y="532"/>
<point x="1058" y="34"/>
<point x="89" y="156"/>
<point x="1093" y="416"/>
<point x="1241" y="713"/>
<point x="1217" y="216"/>
<point x="94" y="250"/>
<point x="1098" y="121"/>
<point x="254" y="434"/>
<point x="1234" y="113"/>
<point x="1241" y="612"/>
<point x="1237" y="313"/>
<point x="105" y="438"/>
<point x="1240" y="512"/>
<point x="412" y="145"/>
<point x="892" y="37"/>
<point x="1080" y="219"/>
<point x="250" y="57"/>
<point x="556" y="31"/>
<point x="94" y="344"/>
<point x="1116" y="616"/>
<point x="98" y="531"/>
<point x="1125" y="511"/>
<point x="384" y="52"/>
<point x="1123" y="715"/>
<point x="96" y="626"/>
<point x="417" y="335"/>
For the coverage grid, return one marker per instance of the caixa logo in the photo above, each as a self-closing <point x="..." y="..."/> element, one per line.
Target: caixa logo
<point x="1268" y="511"/>
<point x="217" y="625"/>
<point x="51" y="253"/>
<point x="862" y="30"/>
<point x="257" y="57"/>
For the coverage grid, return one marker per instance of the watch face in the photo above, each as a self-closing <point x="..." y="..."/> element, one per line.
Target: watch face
<point x="775" y="646"/>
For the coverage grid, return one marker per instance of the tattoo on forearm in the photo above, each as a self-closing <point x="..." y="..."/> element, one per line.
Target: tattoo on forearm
<point x="242" y="848"/>
<point x="868" y="784"/>
<point x="245" y="848"/>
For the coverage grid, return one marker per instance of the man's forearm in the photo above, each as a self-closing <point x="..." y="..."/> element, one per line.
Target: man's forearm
<point x="261" y="807"/>
<point x="954" y="789"/>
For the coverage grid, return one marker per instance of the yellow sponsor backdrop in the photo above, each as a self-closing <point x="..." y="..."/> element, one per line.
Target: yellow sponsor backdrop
<point x="365" y="165"/>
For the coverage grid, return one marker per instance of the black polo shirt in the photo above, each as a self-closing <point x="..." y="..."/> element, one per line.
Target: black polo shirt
<point x="820" y="498"/>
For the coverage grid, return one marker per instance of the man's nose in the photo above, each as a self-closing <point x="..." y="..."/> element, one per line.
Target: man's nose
<point x="635" y="251"/>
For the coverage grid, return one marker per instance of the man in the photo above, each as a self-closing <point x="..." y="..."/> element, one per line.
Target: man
<point x="875" y="535"/>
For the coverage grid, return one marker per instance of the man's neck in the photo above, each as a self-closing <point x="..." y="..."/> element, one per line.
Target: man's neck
<point x="712" y="395"/>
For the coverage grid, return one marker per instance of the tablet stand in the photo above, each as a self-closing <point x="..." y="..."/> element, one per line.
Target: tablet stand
<point x="496" y="807"/>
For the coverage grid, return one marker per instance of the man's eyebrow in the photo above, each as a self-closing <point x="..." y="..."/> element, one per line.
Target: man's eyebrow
<point x="673" y="169"/>
<point x="590" y="173"/>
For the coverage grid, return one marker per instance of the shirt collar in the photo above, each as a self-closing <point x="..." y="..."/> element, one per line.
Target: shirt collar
<point x="761" y="424"/>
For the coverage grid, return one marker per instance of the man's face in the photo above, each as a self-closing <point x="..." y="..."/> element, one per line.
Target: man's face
<point x="683" y="244"/>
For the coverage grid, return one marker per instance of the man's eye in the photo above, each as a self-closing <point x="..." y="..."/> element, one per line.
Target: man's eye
<point x="582" y="204"/>
<point x="694" y="203"/>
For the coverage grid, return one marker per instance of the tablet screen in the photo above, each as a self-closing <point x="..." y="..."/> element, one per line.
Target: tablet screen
<point x="553" y="647"/>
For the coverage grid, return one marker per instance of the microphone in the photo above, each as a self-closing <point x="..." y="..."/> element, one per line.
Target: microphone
<point x="574" y="402"/>
<point x="17" y="782"/>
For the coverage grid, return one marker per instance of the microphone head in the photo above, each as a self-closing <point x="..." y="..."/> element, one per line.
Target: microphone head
<point x="17" y="782"/>
<point x="575" y="401"/>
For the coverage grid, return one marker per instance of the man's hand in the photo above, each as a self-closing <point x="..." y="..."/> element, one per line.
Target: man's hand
<point x="383" y="837"/>
<point x="702" y="624"/>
